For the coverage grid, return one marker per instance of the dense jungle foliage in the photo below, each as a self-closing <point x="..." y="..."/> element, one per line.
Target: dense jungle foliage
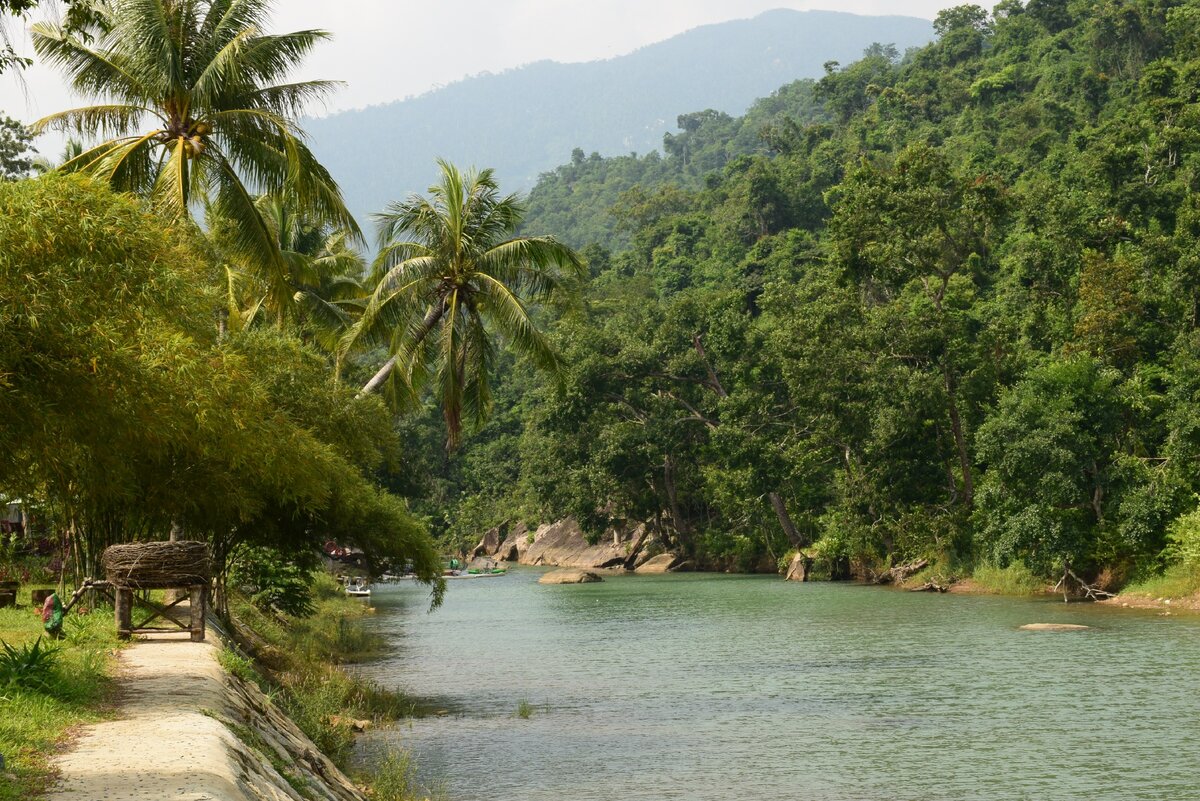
<point x="942" y="304"/>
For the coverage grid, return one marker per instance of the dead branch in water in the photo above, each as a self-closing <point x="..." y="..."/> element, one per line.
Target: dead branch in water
<point x="1089" y="591"/>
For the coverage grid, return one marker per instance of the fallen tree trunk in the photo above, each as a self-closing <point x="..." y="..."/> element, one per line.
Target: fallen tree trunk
<point x="933" y="586"/>
<point x="901" y="573"/>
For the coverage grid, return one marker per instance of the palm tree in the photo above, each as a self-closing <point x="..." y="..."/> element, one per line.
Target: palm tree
<point x="449" y="273"/>
<point x="195" y="112"/>
<point x="324" y="270"/>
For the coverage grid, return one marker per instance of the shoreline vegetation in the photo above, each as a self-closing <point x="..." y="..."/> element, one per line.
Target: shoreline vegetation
<point x="300" y="663"/>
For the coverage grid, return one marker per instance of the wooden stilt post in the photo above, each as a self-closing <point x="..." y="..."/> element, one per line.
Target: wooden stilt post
<point x="124" y="612"/>
<point x="196" y="602"/>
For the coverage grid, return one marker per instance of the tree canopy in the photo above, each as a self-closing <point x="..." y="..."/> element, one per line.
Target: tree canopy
<point x="127" y="413"/>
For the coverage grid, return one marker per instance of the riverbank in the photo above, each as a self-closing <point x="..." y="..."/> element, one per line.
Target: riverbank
<point x="1174" y="592"/>
<point x="302" y="664"/>
<point x="562" y="544"/>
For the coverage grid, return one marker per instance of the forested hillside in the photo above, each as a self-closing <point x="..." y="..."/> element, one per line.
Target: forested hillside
<point x="949" y="309"/>
<point x="589" y="200"/>
<point x="524" y="121"/>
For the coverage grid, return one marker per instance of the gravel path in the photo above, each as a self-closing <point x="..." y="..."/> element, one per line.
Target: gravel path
<point x="172" y="741"/>
<point x="164" y="746"/>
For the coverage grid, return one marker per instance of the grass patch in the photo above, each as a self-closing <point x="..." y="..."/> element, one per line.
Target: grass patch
<point x="1016" y="579"/>
<point x="524" y="710"/>
<point x="243" y="668"/>
<point x="72" y="687"/>
<point x="1178" y="581"/>
<point x="394" y="779"/>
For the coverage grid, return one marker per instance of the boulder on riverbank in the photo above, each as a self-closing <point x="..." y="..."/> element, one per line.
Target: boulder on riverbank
<point x="663" y="563"/>
<point x="489" y="544"/>
<point x="569" y="577"/>
<point x="798" y="569"/>
<point x="1054" y="627"/>
<point x="563" y="544"/>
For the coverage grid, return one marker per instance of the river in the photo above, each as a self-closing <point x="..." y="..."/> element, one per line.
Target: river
<point x="712" y="688"/>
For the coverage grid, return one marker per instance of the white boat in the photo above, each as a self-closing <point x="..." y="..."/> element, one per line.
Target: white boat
<point x="358" y="588"/>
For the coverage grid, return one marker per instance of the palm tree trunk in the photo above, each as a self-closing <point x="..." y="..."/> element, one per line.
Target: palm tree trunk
<point x="377" y="380"/>
<point x="431" y="319"/>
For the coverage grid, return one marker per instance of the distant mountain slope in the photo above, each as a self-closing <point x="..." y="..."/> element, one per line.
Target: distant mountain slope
<point x="528" y="120"/>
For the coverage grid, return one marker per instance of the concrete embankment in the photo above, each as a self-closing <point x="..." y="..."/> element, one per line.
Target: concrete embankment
<point x="189" y="731"/>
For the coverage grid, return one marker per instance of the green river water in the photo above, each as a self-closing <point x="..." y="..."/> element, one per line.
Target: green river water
<point x="710" y="687"/>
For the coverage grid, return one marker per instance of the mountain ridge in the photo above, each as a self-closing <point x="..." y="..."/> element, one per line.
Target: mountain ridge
<point x="540" y="112"/>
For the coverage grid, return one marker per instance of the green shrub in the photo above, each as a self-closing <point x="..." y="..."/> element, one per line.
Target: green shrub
<point x="272" y="581"/>
<point x="1183" y="538"/>
<point x="1016" y="579"/>
<point x="1181" y="575"/>
<point x="29" y="667"/>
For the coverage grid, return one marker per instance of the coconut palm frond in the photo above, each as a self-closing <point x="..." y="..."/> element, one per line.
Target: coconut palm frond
<point x="198" y="108"/>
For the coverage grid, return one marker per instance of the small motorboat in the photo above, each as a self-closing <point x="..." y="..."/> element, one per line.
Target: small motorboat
<point x="358" y="588"/>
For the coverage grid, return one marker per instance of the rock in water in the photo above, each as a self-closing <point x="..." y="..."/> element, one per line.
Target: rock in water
<point x="569" y="577"/>
<point x="1053" y="627"/>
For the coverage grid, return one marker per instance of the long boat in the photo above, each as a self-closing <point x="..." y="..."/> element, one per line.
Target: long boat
<point x="389" y="578"/>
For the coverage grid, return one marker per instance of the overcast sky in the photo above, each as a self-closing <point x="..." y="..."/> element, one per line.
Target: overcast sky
<point x="391" y="49"/>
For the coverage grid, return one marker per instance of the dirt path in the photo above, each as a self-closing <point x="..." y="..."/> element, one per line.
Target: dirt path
<point x="171" y="744"/>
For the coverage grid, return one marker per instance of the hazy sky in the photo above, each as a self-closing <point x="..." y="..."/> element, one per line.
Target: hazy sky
<point x="390" y="49"/>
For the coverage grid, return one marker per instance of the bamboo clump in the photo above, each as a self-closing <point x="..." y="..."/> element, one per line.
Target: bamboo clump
<point x="157" y="565"/>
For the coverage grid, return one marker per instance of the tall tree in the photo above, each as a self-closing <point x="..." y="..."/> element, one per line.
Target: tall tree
<point x="195" y="109"/>
<point x="16" y="149"/>
<point x="449" y="273"/>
